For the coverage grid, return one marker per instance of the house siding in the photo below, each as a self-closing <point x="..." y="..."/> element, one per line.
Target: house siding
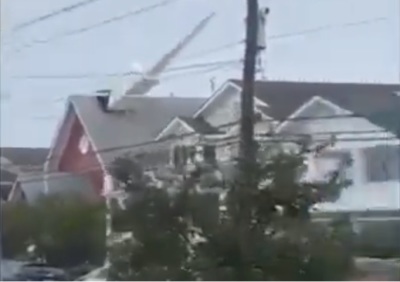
<point x="359" y="132"/>
<point x="356" y="135"/>
<point x="74" y="161"/>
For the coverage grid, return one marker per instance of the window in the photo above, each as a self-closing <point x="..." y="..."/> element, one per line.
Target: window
<point x="180" y="156"/>
<point x="108" y="184"/>
<point x="382" y="163"/>
<point x="343" y="161"/>
<point x="321" y="167"/>
<point x="209" y="154"/>
<point x="84" y="144"/>
<point x="236" y="110"/>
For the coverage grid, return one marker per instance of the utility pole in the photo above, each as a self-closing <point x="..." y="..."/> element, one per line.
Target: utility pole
<point x="247" y="148"/>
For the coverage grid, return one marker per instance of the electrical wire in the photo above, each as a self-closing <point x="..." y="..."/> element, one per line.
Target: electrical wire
<point x="172" y="138"/>
<point x="40" y="176"/>
<point x="96" y="25"/>
<point x="163" y="79"/>
<point x="198" y="72"/>
<point x="126" y="73"/>
<point x="53" y="14"/>
<point x="215" y="49"/>
<point x="285" y="35"/>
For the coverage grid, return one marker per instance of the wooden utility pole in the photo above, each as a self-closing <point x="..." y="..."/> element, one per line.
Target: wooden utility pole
<point x="247" y="152"/>
<point x="247" y="146"/>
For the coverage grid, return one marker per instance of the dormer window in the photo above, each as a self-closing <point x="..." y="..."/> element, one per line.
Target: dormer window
<point x="84" y="144"/>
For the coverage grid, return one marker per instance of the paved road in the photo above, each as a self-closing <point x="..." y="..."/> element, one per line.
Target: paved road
<point x="378" y="269"/>
<point x="8" y="268"/>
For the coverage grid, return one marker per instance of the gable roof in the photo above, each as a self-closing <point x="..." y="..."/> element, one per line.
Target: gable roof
<point x="7" y="176"/>
<point x="376" y="102"/>
<point x="67" y="184"/>
<point x="5" y="192"/>
<point x="199" y="125"/>
<point x="24" y="156"/>
<point x="143" y="118"/>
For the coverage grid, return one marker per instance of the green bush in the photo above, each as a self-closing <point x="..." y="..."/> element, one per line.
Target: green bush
<point x="17" y="229"/>
<point x="65" y="231"/>
<point x="378" y="239"/>
<point x="265" y="231"/>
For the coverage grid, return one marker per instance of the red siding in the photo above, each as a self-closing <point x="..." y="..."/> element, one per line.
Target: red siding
<point x="72" y="160"/>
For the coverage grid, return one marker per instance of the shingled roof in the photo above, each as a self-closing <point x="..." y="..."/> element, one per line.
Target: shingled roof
<point x="24" y="156"/>
<point x="377" y="102"/>
<point x="61" y="183"/>
<point x="142" y="119"/>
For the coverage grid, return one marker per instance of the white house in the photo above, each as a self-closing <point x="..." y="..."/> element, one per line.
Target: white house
<point x="364" y="120"/>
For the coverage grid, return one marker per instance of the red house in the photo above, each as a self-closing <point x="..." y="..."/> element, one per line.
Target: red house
<point x="97" y="129"/>
<point x="92" y="134"/>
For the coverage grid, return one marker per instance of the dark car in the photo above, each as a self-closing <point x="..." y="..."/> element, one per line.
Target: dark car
<point x="40" y="272"/>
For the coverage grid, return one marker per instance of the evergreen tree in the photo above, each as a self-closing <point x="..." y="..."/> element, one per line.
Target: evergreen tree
<point x="175" y="240"/>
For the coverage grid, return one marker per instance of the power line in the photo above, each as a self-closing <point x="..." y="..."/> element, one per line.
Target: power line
<point x="53" y="14"/>
<point x="56" y="174"/>
<point x="197" y="72"/>
<point x="215" y="49"/>
<point x="285" y="35"/>
<point x="96" y="25"/>
<point x="127" y="73"/>
<point x="163" y="79"/>
<point x="177" y="137"/>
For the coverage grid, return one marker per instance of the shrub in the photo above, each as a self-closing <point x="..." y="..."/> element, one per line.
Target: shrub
<point x="378" y="239"/>
<point x="65" y="231"/>
<point x="264" y="232"/>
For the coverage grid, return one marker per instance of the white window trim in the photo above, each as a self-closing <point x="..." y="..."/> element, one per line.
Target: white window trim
<point x="225" y="86"/>
<point x="170" y="126"/>
<point x="307" y="105"/>
<point x="84" y="144"/>
<point x="314" y="171"/>
<point x="365" y="169"/>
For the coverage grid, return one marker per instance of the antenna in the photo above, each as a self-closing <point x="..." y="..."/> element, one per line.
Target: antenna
<point x="212" y="84"/>
<point x="150" y="78"/>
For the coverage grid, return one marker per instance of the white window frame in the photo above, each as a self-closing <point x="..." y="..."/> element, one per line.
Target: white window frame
<point x="84" y="144"/>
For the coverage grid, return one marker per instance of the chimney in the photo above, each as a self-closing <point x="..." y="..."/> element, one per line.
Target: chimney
<point x="104" y="98"/>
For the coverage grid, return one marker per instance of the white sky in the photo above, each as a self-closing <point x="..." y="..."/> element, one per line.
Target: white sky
<point x="31" y="108"/>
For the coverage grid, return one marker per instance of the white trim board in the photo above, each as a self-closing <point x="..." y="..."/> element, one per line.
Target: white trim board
<point x="56" y="137"/>
<point x="170" y="125"/>
<point x="221" y="90"/>
<point x="305" y="106"/>
<point x="70" y="112"/>
<point x="91" y="140"/>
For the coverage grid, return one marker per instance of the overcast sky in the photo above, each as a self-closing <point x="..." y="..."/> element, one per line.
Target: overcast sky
<point x="31" y="108"/>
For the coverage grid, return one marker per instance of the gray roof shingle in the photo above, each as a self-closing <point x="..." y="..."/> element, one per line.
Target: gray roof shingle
<point x="24" y="156"/>
<point x="144" y="117"/>
<point x="116" y="132"/>
<point x="377" y="102"/>
<point x="7" y="176"/>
